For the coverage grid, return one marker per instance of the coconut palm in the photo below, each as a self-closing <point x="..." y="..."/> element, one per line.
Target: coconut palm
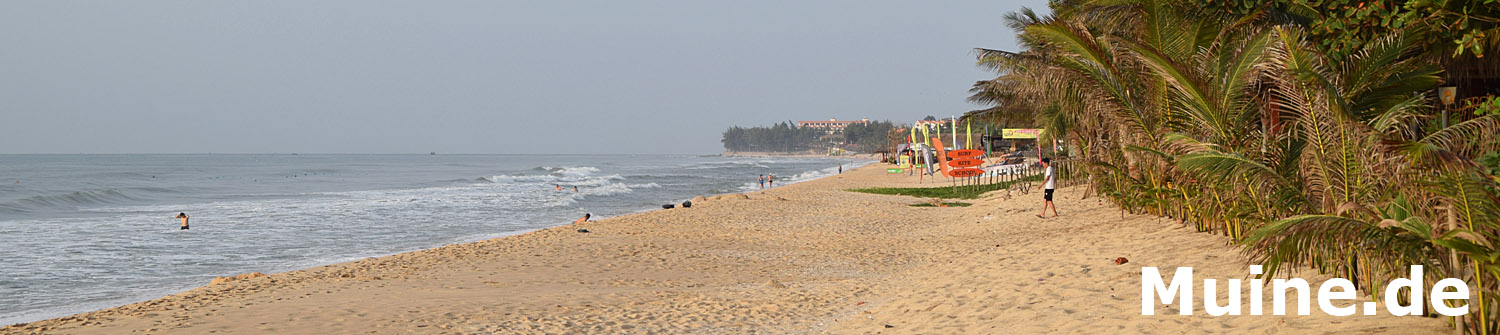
<point x="1239" y="125"/>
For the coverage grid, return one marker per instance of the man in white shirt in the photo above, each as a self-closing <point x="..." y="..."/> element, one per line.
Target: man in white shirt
<point x="1049" y="181"/>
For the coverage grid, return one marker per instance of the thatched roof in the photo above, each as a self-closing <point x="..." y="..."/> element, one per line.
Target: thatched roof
<point x="1469" y="67"/>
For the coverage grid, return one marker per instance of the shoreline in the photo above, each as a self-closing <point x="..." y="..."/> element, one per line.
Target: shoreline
<point x="64" y="312"/>
<point x="793" y="155"/>
<point x="145" y="297"/>
<point x="801" y="258"/>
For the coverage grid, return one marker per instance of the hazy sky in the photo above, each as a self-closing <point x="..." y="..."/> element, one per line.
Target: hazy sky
<point x="472" y="77"/>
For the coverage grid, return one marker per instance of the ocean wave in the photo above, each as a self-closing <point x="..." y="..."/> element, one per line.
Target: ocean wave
<point x="245" y="226"/>
<point x="519" y="179"/>
<point x="595" y="181"/>
<point x="71" y="200"/>
<point x="578" y="171"/>
<point x="553" y="179"/>
<point x="813" y="174"/>
<point x="726" y="164"/>
<point x="607" y="189"/>
<point x="567" y="170"/>
<point x="668" y="176"/>
<point x="804" y="176"/>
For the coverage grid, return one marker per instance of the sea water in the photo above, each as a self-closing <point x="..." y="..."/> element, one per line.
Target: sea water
<point x="84" y="232"/>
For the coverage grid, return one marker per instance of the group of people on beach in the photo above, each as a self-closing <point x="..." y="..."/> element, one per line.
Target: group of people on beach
<point x="767" y="180"/>
<point x="1047" y="186"/>
<point x="575" y="190"/>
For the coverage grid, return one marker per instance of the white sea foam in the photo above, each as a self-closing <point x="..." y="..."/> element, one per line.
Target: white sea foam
<point x="576" y="171"/>
<point x="256" y="217"/>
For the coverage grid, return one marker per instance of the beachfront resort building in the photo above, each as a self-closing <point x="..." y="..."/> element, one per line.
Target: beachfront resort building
<point x="941" y="122"/>
<point x="832" y="126"/>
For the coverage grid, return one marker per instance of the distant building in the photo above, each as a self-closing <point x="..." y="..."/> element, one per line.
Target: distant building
<point x="942" y="122"/>
<point x="831" y="126"/>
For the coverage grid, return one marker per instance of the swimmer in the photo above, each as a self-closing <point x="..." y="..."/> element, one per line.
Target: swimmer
<point x="184" y="218"/>
<point x="575" y="189"/>
<point x="584" y="219"/>
<point x="559" y="187"/>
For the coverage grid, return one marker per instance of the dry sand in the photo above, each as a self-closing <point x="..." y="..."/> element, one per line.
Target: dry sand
<point x="804" y="258"/>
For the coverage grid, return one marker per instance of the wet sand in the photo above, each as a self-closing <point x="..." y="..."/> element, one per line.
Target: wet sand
<point x="803" y="258"/>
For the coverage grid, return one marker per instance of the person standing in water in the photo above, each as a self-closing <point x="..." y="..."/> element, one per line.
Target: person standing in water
<point x="575" y="189"/>
<point x="841" y="168"/>
<point x="184" y="218"/>
<point x="762" y="181"/>
<point x="558" y="186"/>
<point x="771" y="180"/>
<point x="1049" y="183"/>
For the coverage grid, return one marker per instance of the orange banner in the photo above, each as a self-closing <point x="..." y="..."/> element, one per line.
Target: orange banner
<point x="942" y="155"/>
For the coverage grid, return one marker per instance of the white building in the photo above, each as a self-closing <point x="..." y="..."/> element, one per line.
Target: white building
<point x="832" y="126"/>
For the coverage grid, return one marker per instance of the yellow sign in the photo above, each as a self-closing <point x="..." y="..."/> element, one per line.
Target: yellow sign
<point x="1030" y="134"/>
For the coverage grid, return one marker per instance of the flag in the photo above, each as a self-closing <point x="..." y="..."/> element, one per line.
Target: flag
<point x="953" y="125"/>
<point x="913" y="138"/>
<point x="940" y="131"/>
<point x="968" y="134"/>
<point x="926" y="136"/>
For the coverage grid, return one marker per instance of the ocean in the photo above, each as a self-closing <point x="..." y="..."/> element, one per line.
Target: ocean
<point x="84" y="232"/>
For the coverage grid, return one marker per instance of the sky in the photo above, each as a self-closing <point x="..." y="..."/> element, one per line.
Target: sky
<point x="489" y="77"/>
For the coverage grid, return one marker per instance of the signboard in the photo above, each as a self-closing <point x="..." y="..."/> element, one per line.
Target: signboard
<point x="1020" y="134"/>
<point x="965" y="153"/>
<point x="963" y="173"/>
<point x="1447" y="94"/>
<point x="893" y="170"/>
<point x="965" y="162"/>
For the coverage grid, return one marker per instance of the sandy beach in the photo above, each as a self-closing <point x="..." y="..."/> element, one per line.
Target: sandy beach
<point x="803" y="258"/>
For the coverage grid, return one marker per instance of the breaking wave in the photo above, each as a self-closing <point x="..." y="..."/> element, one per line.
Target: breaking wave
<point x="66" y="201"/>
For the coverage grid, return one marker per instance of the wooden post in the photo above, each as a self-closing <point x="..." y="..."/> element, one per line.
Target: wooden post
<point x="1457" y="268"/>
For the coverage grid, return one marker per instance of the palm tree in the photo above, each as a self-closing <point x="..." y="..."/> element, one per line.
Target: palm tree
<point x="1240" y="125"/>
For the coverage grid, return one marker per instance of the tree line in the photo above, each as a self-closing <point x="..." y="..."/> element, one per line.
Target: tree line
<point x="788" y="137"/>
<point x="1307" y="131"/>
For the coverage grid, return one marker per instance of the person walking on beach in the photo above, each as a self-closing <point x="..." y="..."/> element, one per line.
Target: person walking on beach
<point x="184" y="218"/>
<point x="762" y="181"/>
<point x="911" y="169"/>
<point x="1049" y="183"/>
